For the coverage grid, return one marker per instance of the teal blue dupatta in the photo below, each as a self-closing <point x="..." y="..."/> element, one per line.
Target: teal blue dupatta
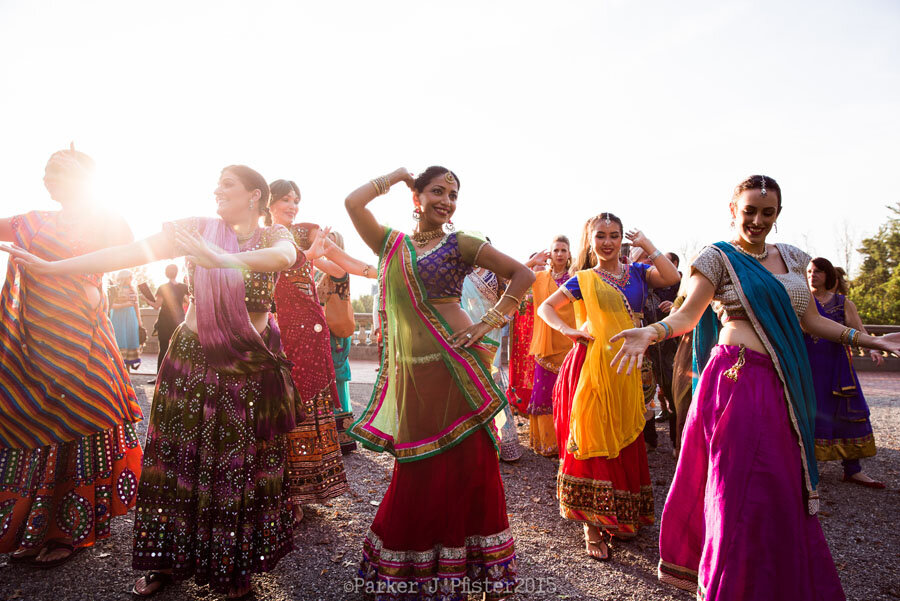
<point x="769" y="309"/>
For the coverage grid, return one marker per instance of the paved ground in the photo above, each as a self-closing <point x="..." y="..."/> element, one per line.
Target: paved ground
<point x="861" y="526"/>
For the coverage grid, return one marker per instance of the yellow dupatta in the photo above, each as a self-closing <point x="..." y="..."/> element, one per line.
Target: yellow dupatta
<point x="545" y="341"/>
<point x="608" y="408"/>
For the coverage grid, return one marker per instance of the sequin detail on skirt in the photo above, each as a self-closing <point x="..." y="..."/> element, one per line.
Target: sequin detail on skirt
<point x="211" y="501"/>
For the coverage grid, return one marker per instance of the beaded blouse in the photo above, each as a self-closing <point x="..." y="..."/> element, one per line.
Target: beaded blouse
<point x="300" y="274"/>
<point x="259" y="285"/>
<point x="726" y="302"/>
<point x="444" y="267"/>
<point x="633" y="285"/>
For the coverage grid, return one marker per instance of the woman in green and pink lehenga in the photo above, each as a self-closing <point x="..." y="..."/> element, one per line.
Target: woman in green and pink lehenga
<point x="442" y="524"/>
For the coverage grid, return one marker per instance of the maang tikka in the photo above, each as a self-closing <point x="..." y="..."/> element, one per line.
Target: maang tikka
<point x="762" y="189"/>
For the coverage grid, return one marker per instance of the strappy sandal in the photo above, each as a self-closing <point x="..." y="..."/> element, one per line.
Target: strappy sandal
<point x="50" y="547"/>
<point x="595" y="543"/>
<point x="164" y="579"/>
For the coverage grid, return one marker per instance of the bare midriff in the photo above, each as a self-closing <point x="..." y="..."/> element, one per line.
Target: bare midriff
<point x="739" y="332"/>
<point x="455" y="317"/>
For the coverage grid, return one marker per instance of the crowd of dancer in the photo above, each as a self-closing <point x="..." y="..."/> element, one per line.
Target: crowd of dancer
<point x="251" y="411"/>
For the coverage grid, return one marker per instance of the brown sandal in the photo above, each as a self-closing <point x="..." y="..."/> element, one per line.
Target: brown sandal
<point x="50" y="547"/>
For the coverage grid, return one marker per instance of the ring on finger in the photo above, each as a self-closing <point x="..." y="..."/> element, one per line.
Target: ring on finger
<point x="468" y="335"/>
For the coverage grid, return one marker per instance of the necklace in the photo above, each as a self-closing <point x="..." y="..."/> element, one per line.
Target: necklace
<point x="423" y="238"/>
<point x="617" y="279"/>
<point x="758" y="256"/>
<point x="555" y="275"/>
<point x="245" y="237"/>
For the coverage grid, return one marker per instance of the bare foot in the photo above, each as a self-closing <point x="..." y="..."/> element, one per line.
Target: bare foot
<point x="23" y="554"/>
<point x="862" y="477"/>
<point x="594" y="543"/>
<point x="142" y="589"/>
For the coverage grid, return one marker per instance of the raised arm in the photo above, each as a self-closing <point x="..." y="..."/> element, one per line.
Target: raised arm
<point x="363" y="220"/>
<point x="337" y="256"/>
<point x="663" y="272"/>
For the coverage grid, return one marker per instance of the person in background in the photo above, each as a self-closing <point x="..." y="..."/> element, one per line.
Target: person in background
<point x="315" y="467"/>
<point x="549" y="348"/>
<point x="125" y="314"/>
<point x="170" y="299"/>
<point x="843" y="430"/>
<point x="69" y="451"/>
<point x="334" y="296"/>
<point x="521" y="363"/>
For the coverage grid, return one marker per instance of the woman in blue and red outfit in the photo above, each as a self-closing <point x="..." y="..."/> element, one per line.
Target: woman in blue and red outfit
<point x="604" y="479"/>
<point x="442" y="524"/>
<point x="843" y="430"/>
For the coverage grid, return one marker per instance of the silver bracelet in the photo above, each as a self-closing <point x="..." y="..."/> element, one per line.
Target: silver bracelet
<point x="654" y="255"/>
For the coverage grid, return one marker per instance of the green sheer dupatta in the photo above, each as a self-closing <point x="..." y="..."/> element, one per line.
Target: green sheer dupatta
<point x="429" y="396"/>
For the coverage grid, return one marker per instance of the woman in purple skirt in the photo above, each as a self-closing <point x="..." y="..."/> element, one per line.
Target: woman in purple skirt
<point x="739" y="521"/>
<point x="843" y="430"/>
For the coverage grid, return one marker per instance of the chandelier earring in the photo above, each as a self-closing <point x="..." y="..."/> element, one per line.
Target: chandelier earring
<point x="775" y="225"/>
<point x="417" y="213"/>
<point x="732" y="224"/>
<point x="449" y="227"/>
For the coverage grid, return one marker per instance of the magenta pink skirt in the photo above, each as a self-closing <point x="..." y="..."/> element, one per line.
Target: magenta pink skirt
<point x="735" y="524"/>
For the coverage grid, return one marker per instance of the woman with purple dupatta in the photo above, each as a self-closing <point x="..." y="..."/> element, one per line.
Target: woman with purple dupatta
<point x="843" y="430"/>
<point x="442" y="527"/>
<point x="740" y="519"/>
<point x="211" y="499"/>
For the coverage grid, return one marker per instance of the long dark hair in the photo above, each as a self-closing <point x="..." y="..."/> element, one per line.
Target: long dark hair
<point x="252" y="180"/>
<point x="757" y="182"/>
<point x="279" y="189"/>
<point x="585" y="258"/>
<point x="825" y="266"/>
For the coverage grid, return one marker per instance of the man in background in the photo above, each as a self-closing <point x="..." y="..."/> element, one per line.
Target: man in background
<point x="170" y="302"/>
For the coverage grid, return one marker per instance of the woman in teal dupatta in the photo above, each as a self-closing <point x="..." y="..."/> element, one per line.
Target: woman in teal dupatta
<point x="441" y="529"/>
<point x="739" y="521"/>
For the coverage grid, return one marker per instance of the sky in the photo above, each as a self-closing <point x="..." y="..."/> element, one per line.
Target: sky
<point x="548" y="112"/>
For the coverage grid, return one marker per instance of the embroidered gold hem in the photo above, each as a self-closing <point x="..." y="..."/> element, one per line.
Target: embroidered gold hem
<point x="845" y="448"/>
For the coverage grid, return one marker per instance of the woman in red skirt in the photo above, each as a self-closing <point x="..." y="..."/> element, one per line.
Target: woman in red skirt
<point x="442" y="528"/>
<point x="603" y="478"/>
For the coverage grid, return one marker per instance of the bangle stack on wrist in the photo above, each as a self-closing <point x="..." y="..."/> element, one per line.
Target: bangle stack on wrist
<point x="505" y="295"/>
<point x="662" y="330"/>
<point x="654" y="255"/>
<point x="494" y="318"/>
<point x="849" y="337"/>
<point x="382" y="184"/>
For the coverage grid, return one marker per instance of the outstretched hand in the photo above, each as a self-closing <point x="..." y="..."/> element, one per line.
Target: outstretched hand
<point x="199" y="251"/>
<point x="891" y="343"/>
<point x="25" y="259"/>
<point x="320" y="244"/>
<point x="631" y="354"/>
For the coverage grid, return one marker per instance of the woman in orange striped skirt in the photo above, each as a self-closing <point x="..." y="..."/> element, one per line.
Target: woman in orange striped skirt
<point x="69" y="455"/>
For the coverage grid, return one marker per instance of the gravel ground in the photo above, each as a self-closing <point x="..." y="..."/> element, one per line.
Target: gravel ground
<point x="860" y="525"/>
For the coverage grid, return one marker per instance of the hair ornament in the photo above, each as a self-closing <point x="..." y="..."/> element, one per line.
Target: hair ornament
<point x="606" y="220"/>
<point x="448" y="177"/>
<point x="762" y="189"/>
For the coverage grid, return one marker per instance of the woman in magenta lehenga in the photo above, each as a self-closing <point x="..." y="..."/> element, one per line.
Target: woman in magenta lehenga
<point x="211" y="501"/>
<point x="604" y="479"/>
<point x="442" y="527"/>
<point x="739" y="522"/>
<point x="843" y="430"/>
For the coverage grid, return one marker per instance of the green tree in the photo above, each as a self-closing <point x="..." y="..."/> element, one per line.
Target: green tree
<point x="876" y="290"/>
<point x="363" y="304"/>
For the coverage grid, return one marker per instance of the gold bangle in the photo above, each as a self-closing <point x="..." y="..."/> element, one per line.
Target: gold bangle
<point x="843" y="335"/>
<point x="855" y="341"/>
<point x="505" y="294"/>
<point x="375" y="183"/>
<point x="660" y="331"/>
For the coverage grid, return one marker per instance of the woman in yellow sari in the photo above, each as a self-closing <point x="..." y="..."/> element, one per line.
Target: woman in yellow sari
<point x="603" y="479"/>
<point x="441" y="529"/>
<point x="549" y="348"/>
